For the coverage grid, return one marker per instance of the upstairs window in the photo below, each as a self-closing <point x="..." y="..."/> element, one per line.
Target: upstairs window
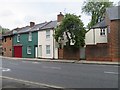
<point x="30" y="36"/>
<point x="47" y="34"/>
<point x="102" y="32"/>
<point x="5" y="39"/>
<point x="10" y="38"/>
<point x="18" y="38"/>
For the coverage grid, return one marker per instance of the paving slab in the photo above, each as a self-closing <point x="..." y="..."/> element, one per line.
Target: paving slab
<point x="65" y="61"/>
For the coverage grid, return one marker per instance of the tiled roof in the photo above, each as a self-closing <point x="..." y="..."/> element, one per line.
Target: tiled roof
<point x="24" y="29"/>
<point x="51" y="24"/>
<point x="113" y="12"/>
<point x="8" y="33"/>
<point x="38" y="26"/>
<point x="101" y="24"/>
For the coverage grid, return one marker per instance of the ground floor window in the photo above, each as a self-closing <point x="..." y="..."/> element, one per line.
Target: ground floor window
<point x="29" y="50"/>
<point x="47" y="49"/>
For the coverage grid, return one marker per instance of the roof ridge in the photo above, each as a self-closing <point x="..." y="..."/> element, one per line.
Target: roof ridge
<point x="46" y="24"/>
<point x="38" y="24"/>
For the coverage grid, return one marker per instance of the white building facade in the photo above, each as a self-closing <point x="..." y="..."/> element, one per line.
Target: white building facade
<point x="46" y="43"/>
<point x="97" y="35"/>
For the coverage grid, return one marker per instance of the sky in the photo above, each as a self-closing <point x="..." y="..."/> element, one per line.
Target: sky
<point x="18" y="13"/>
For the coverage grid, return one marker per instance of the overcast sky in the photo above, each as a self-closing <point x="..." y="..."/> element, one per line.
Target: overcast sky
<point x="18" y="13"/>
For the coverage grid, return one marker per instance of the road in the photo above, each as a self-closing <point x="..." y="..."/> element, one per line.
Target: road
<point x="65" y="75"/>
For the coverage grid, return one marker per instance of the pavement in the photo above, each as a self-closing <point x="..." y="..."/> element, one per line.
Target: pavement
<point x="65" y="61"/>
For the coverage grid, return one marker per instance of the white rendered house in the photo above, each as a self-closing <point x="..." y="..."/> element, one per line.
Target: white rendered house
<point x="46" y="43"/>
<point x="98" y="34"/>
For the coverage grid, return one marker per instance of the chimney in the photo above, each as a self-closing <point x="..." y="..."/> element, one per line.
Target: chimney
<point x="32" y="24"/>
<point x="60" y="17"/>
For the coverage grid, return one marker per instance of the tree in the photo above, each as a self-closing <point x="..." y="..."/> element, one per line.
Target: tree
<point x="3" y="30"/>
<point x="72" y="28"/>
<point x="95" y="8"/>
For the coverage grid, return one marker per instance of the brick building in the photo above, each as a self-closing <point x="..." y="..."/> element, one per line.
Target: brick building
<point x="107" y="47"/>
<point x="7" y="44"/>
<point x="0" y="44"/>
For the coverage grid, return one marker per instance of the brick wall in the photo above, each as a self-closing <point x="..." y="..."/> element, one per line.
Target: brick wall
<point x="60" y="53"/>
<point x="69" y="53"/>
<point x="114" y="40"/>
<point x="0" y="47"/>
<point x="99" y="52"/>
<point x="7" y="46"/>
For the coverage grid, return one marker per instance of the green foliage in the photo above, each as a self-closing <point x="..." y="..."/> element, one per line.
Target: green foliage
<point x="96" y="8"/>
<point x="71" y="27"/>
<point x="3" y="30"/>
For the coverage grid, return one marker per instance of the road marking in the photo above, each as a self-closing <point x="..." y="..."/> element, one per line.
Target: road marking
<point x="59" y="68"/>
<point x="31" y="62"/>
<point x="26" y="61"/>
<point x="5" y="69"/>
<point x="111" y="72"/>
<point x="36" y="63"/>
<point x="30" y="82"/>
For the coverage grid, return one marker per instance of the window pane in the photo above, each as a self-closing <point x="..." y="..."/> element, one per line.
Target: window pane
<point x="28" y="50"/>
<point x="47" y="33"/>
<point x="30" y="36"/>
<point x="47" y="49"/>
<point x="18" y="38"/>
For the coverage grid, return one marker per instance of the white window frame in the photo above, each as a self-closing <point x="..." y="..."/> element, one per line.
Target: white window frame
<point x="47" y="34"/>
<point x="29" y="50"/>
<point x="47" y="49"/>
<point x="18" y="38"/>
<point x="30" y="36"/>
<point x="102" y="32"/>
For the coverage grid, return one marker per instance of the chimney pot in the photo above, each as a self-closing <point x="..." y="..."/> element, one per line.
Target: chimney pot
<point x="32" y="24"/>
<point x="60" y="17"/>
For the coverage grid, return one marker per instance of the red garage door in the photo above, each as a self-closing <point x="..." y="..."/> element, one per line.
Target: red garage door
<point x="18" y="51"/>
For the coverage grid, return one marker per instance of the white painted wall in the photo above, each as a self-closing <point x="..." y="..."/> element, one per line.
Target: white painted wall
<point x="43" y="41"/>
<point x="93" y="37"/>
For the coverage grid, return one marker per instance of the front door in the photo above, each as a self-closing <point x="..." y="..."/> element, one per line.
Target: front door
<point x="36" y="52"/>
<point x="18" y="51"/>
<point x="82" y="53"/>
<point x="40" y="51"/>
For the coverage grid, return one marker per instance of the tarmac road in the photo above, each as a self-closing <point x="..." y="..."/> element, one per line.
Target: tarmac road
<point x="64" y="75"/>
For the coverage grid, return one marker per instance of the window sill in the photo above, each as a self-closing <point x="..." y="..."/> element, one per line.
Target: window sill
<point x="47" y="39"/>
<point x="28" y="53"/>
<point x="103" y="35"/>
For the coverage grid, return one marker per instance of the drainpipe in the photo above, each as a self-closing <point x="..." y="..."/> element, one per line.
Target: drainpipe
<point x="53" y="46"/>
<point x="94" y="36"/>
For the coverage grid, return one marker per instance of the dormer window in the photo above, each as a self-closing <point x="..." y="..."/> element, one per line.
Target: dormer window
<point x="18" y="38"/>
<point x="30" y="36"/>
<point x="102" y="31"/>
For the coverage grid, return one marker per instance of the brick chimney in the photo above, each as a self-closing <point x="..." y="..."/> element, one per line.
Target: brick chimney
<point x="32" y="24"/>
<point x="60" y="17"/>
